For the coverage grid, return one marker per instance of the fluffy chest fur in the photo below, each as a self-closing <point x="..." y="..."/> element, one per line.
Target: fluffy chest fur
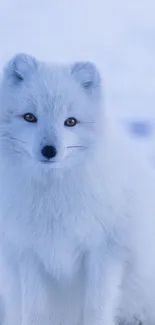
<point x="57" y="218"/>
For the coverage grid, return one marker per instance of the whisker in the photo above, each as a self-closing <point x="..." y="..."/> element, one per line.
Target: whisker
<point x="76" y="147"/>
<point x="11" y="138"/>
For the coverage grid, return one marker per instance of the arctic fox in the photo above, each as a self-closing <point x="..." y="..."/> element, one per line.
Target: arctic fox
<point x="64" y="233"/>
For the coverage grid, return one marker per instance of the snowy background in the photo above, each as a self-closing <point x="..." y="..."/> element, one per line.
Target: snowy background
<point x="118" y="35"/>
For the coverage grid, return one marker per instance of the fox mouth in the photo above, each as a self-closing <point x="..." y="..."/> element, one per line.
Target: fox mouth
<point x="47" y="162"/>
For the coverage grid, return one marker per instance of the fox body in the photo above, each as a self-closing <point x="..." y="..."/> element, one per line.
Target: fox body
<point x="65" y="236"/>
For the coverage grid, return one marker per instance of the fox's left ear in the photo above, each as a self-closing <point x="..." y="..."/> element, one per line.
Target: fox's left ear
<point x="87" y="75"/>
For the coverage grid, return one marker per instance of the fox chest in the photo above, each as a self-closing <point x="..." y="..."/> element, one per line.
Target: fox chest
<point x="62" y="254"/>
<point x="64" y="248"/>
<point x="60" y="237"/>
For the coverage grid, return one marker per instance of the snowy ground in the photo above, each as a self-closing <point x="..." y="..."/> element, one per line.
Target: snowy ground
<point x="118" y="35"/>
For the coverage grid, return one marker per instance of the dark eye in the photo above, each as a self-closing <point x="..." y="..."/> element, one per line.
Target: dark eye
<point x="29" y="117"/>
<point x="71" y="121"/>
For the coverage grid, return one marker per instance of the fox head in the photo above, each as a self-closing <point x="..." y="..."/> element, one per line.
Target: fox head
<point x="50" y="115"/>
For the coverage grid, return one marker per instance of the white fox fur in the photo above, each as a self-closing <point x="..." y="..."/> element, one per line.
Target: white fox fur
<point x="66" y="232"/>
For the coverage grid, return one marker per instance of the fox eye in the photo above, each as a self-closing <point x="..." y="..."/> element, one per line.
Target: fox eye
<point x="29" y="117"/>
<point x="71" y="121"/>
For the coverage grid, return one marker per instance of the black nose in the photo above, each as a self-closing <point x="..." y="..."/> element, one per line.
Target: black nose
<point x="49" y="152"/>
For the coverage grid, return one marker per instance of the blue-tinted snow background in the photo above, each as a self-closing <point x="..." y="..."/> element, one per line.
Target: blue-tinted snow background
<point x="118" y="35"/>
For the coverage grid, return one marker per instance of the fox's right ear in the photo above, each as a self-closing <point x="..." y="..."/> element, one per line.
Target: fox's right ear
<point x="20" y="67"/>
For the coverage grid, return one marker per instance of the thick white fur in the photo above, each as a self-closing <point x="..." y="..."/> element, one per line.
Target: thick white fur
<point x="66" y="228"/>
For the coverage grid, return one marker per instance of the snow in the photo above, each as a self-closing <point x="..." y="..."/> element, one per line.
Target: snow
<point x="118" y="35"/>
